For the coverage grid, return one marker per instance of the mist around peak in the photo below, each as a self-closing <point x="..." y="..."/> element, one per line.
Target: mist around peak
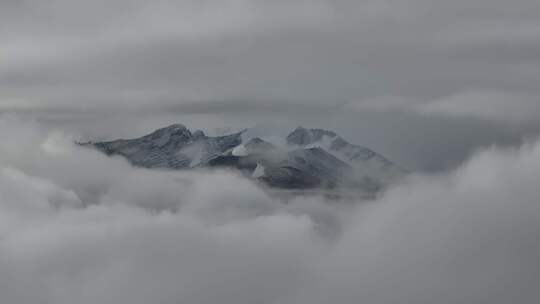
<point x="77" y="226"/>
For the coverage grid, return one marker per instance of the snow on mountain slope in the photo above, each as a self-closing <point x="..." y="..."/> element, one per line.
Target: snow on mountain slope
<point x="310" y="159"/>
<point x="365" y="161"/>
<point x="173" y="147"/>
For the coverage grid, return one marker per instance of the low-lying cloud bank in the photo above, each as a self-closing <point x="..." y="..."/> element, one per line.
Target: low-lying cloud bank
<point x="490" y="105"/>
<point x="79" y="227"/>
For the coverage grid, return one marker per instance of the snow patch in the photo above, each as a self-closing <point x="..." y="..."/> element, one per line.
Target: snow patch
<point x="240" y="150"/>
<point x="259" y="171"/>
<point x="196" y="160"/>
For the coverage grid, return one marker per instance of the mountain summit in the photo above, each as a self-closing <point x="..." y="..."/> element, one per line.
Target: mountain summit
<point x="310" y="159"/>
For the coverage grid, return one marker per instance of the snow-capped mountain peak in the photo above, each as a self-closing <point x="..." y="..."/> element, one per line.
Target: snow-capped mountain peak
<point x="310" y="158"/>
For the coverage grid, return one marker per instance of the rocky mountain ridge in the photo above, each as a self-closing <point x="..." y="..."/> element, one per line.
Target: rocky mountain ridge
<point x="310" y="159"/>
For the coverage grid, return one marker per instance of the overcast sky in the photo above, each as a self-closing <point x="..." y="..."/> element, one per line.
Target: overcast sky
<point x="424" y="82"/>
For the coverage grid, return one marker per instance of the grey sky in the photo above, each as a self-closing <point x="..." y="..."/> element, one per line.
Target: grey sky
<point x="472" y="60"/>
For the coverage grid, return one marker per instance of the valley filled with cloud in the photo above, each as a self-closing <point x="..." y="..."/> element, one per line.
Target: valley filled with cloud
<point x="80" y="227"/>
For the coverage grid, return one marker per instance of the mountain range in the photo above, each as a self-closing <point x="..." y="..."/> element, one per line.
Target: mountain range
<point x="308" y="158"/>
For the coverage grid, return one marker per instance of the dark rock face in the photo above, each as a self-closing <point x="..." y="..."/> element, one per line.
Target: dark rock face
<point x="372" y="167"/>
<point x="290" y="178"/>
<point x="313" y="158"/>
<point x="173" y="147"/>
<point x="304" y="169"/>
<point x="258" y="146"/>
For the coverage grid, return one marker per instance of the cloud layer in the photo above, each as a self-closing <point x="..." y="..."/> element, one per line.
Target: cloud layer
<point x="118" y="54"/>
<point x="79" y="227"/>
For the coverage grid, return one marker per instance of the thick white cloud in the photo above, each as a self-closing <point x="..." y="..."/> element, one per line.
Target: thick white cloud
<point x="79" y="227"/>
<point x="466" y="237"/>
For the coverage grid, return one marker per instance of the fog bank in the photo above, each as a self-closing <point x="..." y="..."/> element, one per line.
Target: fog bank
<point x="79" y="227"/>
